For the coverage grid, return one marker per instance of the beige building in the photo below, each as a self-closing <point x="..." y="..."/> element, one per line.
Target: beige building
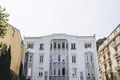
<point x="13" y="38"/>
<point x="109" y="56"/>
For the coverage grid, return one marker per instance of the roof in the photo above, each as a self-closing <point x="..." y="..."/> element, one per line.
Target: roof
<point x="60" y="34"/>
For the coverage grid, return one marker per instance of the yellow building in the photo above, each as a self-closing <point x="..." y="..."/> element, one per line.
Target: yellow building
<point x="109" y="56"/>
<point x="13" y="38"/>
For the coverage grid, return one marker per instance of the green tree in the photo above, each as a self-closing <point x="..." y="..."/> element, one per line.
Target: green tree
<point x="3" y="19"/>
<point x="3" y="48"/>
<point x="100" y="41"/>
<point x="5" y="53"/>
<point x="5" y="60"/>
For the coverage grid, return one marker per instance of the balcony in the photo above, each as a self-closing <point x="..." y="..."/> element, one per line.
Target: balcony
<point x="29" y="50"/>
<point x="100" y="53"/>
<point x="108" y="59"/>
<point x="109" y="70"/>
<point x="116" y="42"/>
<point x="117" y="68"/>
<point x="117" y="54"/>
<point x="103" y="62"/>
<point x="106" y="50"/>
<point x="105" y="72"/>
<point x="111" y="37"/>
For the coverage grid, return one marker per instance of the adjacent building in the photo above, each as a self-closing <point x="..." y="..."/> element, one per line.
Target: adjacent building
<point x="60" y="57"/>
<point x="13" y="38"/>
<point x="109" y="56"/>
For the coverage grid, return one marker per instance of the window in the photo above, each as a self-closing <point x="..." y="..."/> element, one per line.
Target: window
<point x="115" y="32"/>
<point x="63" y="45"/>
<point x="30" y="45"/>
<point x="63" y="71"/>
<point x="81" y="76"/>
<point x="58" y="71"/>
<point x="74" y="74"/>
<point x="30" y="58"/>
<point x="55" y="58"/>
<point x="50" y="58"/>
<point x="59" y="58"/>
<point x="51" y="46"/>
<point x="54" y="71"/>
<point x="73" y="46"/>
<point x="55" y="44"/>
<point x="59" y="45"/>
<point x="29" y="71"/>
<point x="74" y="59"/>
<point x="87" y="45"/>
<point x="46" y="75"/>
<point x="41" y="58"/>
<point x="88" y="78"/>
<point x="41" y="46"/>
<point x="93" y="78"/>
<point x="118" y="62"/>
<point x="26" y="57"/>
<point x="88" y="72"/>
<point x="91" y="58"/>
<point x="40" y="72"/>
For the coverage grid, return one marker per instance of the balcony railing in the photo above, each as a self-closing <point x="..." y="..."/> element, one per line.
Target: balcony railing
<point x="105" y="72"/>
<point x="110" y="37"/>
<point x="103" y="62"/>
<point x="116" y="42"/>
<point x="29" y="50"/>
<point x="109" y="70"/>
<point x="117" y="54"/>
<point x="108" y="59"/>
<point x="106" y="50"/>
<point x="117" y="68"/>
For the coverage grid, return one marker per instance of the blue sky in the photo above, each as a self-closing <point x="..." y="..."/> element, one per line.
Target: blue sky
<point x="75" y="17"/>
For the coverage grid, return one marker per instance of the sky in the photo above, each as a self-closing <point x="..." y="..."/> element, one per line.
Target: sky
<point x="75" y="17"/>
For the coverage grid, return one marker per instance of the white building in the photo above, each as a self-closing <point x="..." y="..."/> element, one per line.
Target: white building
<point x="60" y="57"/>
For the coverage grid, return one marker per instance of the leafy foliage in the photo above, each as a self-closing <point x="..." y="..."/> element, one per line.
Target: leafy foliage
<point x="3" y="15"/>
<point x="23" y="78"/>
<point x="5" y="54"/>
<point x="5" y="60"/>
<point x="100" y="41"/>
<point x="13" y="75"/>
<point x="3" y="48"/>
<point x="3" y="19"/>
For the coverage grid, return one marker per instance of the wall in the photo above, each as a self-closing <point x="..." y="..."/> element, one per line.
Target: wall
<point x="13" y="39"/>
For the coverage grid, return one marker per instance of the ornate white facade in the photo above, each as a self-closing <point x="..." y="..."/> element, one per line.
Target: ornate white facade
<point x="60" y="57"/>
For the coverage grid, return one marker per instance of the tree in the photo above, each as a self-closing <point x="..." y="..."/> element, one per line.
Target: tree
<point x="5" y="60"/>
<point x="5" y="53"/>
<point x="3" y="19"/>
<point x="3" y="48"/>
<point x="100" y="41"/>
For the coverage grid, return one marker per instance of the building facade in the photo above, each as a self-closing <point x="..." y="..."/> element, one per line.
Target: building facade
<point x="60" y="57"/>
<point x="109" y="56"/>
<point x="13" y="38"/>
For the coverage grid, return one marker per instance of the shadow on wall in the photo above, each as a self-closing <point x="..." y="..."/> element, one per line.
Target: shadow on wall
<point x="5" y="61"/>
